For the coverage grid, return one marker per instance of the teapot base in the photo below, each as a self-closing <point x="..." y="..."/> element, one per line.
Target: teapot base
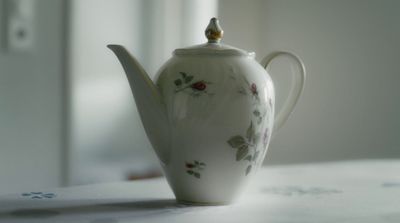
<point x="196" y="203"/>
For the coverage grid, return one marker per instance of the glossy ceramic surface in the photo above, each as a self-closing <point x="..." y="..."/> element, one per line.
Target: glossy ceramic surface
<point x="209" y="116"/>
<point x="221" y="118"/>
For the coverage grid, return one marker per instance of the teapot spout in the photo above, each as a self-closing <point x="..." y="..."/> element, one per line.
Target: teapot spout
<point x="148" y="101"/>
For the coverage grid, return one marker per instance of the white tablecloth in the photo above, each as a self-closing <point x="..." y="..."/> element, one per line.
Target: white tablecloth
<point x="352" y="191"/>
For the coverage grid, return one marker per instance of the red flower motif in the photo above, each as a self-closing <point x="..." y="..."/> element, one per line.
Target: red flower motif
<point x="253" y="89"/>
<point x="199" y="85"/>
<point x="189" y="165"/>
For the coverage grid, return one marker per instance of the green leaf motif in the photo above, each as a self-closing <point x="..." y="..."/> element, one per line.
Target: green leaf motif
<point x="248" y="158"/>
<point x="256" y="138"/>
<point x="183" y="74"/>
<point x="236" y="141"/>
<point x="248" y="169"/>
<point x="256" y="113"/>
<point x="250" y="132"/>
<point x="178" y="82"/>
<point x="259" y="120"/>
<point x="190" y="172"/>
<point x="256" y="155"/>
<point x="197" y="175"/>
<point x="241" y="153"/>
<point x="188" y="79"/>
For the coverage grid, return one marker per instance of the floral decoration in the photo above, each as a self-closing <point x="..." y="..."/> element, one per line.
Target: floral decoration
<point x="38" y="195"/>
<point x="186" y="83"/>
<point x="246" y="147"/>
<point x="265" y="137"/>
<point x="194" y="168"/>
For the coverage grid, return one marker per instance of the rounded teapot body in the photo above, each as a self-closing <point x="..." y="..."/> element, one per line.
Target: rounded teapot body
<point x="210" y="115"/>
<point x="220" y="111"/>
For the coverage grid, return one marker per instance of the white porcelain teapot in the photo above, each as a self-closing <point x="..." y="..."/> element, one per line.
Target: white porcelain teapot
<point x="209" y="116"/>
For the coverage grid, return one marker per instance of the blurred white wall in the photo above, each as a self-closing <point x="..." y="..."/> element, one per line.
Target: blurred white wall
<point x="31" y="100"/>
<point x="350" y="105"/>
<point x="107" y="138"/>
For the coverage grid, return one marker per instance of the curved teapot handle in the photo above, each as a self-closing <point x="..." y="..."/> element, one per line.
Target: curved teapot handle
<point x="295" y="91"/>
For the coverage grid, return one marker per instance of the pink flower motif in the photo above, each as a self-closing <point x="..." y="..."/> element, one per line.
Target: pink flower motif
<point x="265" y="137"/>
<point x="253" y="89"/>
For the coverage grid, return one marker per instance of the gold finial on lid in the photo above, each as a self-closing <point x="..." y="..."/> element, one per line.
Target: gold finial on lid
<point x="213" y="31"/>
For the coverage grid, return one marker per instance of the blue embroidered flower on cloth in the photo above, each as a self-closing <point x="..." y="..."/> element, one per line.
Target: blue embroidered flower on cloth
<point x="38" y="195"/>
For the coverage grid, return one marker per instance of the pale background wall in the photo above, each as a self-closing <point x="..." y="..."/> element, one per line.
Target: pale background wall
<point x="31" y="103"/>
<point x="351" y="104"/>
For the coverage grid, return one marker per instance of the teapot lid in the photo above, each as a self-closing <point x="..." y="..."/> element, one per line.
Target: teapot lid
<point x="214" y="46"/>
